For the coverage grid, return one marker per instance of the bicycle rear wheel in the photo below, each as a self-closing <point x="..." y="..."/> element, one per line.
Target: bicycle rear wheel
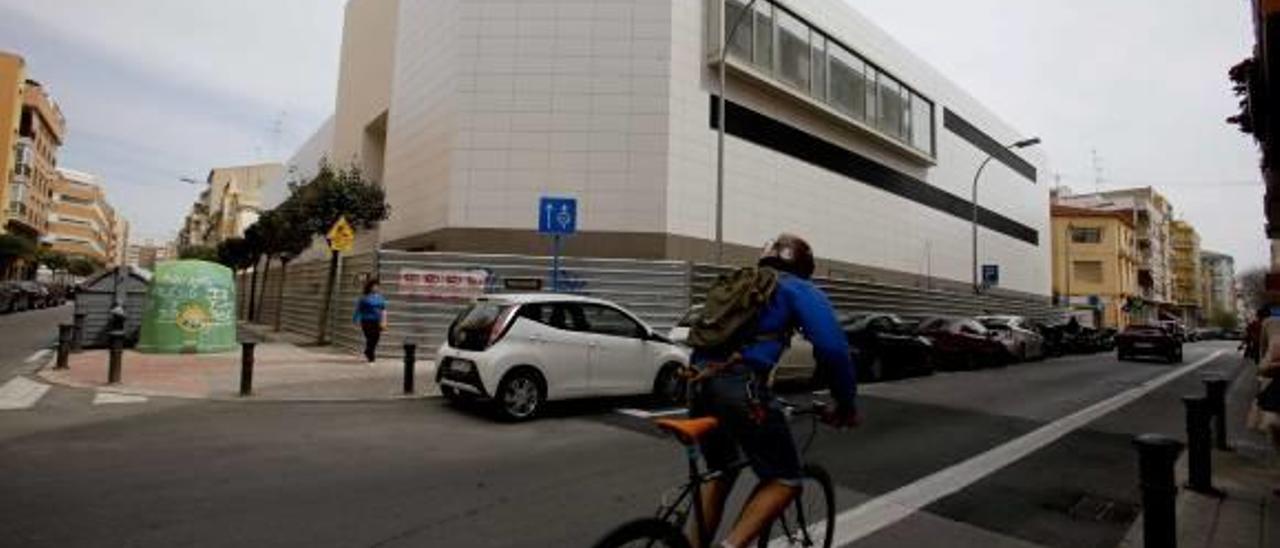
<point x="810" y="520"/>
<point x="645" y="533"/>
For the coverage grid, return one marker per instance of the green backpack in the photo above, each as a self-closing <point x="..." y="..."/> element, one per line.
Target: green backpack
<point x="732" y="305"/>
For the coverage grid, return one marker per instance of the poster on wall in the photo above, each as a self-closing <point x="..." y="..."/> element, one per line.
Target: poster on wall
<point x="443" y="284"/>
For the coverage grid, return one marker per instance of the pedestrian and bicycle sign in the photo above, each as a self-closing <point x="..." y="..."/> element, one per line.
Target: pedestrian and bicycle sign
<point x="557" y="216"/>
<point x="341" y="237"/>
<point x="990" y="275"/>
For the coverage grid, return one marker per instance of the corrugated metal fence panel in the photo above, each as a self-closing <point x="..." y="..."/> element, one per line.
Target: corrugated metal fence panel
<point x="656" y="291"/>
<point x="352" y="275"/>
<point x="269" y="294"/>
<point x="96" y="305"/>
<point x="302" y="298"/>
<point x="908" y="302"/>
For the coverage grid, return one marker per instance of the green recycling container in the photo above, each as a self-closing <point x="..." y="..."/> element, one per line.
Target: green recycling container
<point x="191" y="309"/>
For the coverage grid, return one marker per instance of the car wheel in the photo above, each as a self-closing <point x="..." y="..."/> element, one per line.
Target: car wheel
<point x="669" y="388"/>
<point x="1176" y="356"/>
<point x="1022" y="353"/>
<point x="520" y="395"/>
<point x="970" y="361"/>
<point x="875" y="369"/>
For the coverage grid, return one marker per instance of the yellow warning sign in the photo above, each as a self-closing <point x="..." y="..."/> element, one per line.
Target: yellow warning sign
<point x="341" y="237"/>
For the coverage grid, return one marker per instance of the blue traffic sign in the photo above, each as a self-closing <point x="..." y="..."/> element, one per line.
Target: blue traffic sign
<point x="991" y="275"/>
<point x="557" y="216"/>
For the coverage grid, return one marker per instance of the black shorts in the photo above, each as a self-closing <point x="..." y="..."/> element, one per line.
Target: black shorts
<point x="768" y="445"/>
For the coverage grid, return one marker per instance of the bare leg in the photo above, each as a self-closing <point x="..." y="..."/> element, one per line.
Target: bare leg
<point x="768" y="502"/>
<point x="714" y="494"/>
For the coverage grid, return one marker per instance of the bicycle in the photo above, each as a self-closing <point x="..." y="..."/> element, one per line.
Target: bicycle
<point x="797" y="523"/>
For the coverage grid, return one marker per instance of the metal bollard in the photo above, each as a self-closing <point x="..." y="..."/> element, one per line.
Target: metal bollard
<point x="116" y="357"/>
<point x="77" y="342"/>
<point x="246" y="367"/>
<point x="1215" y="388"/>
<point x="1156" y="457"/>
<point x="65" y="333"/>
<point x="1199" y="445"/>
<point x="410" y="359"/>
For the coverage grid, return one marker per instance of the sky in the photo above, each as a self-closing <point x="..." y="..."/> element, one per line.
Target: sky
<point x="158" y="90"/>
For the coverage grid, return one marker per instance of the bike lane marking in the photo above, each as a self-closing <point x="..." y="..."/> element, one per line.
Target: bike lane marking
<point x="859" y="522"/>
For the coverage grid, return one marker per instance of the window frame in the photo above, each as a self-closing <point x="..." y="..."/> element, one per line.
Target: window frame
<point x="638" y="333"/>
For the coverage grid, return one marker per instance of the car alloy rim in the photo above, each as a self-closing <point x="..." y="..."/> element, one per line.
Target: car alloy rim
<point x="521" y="397"/>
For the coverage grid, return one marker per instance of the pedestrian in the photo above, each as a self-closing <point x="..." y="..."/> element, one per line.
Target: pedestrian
<point x="1267" y="410"/>
<point x="1253" y="335"/>
<point x="371" y="316"/>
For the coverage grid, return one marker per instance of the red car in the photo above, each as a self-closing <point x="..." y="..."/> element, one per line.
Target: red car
<point x="962" y="343"/>
<point x="1148" y="340"/>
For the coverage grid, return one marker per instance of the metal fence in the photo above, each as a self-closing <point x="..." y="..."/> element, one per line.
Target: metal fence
<point x="659" y="292"/>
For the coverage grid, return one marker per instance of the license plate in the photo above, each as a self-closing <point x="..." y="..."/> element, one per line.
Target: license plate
<point x="1144" y="345"/>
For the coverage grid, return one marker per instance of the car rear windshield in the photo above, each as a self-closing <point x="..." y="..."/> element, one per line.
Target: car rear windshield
<point x="470" y="330"/>
<point x="1144" y="330"/>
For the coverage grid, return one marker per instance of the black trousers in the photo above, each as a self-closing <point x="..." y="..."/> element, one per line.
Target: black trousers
<point x="372" y="333"/>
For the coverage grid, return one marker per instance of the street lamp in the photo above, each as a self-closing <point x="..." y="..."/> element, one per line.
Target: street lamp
<point x="977" y="289"/>
<point x="724" y="56"/>
<point x="191" y="181"/>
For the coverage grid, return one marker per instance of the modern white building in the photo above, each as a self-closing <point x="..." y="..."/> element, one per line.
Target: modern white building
<point x="469" y="111"/>
<point x="1219" y="271"/>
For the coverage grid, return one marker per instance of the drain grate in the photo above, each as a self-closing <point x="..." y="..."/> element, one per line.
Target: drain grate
<point x="1091" y="508"/>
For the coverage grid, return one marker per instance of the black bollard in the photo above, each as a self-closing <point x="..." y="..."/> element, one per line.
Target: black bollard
<point x="65" y="333"/>
<point x="1156" y="457"/>
<point x="410" y="357"/>
<point x="1215" y="388"/>
<point x="116" y="358"/>
<point x="77" y="341"/>
<point x="246" y="367"/>
<point x="1199" y="445"/>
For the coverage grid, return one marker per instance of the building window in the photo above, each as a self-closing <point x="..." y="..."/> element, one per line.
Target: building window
<point x="1086" y="235"/>
<point x="741" y="46"/>
<point x="892" y="107"/>
<point x="819" y="66"/>
<point x="848" y="83"/>
<point x="793" y="51"/>
<point x="1088" y="271"/>
<point x="762" y="52"/>
<point x="921" y="124"/>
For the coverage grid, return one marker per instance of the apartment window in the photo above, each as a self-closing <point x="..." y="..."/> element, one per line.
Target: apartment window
<point x="1086" y="235"/>
<point x="1088" y="271"/>
<point x="76" y="200"/>
<point x="921" y="124"/>
<point x="848" y="83"/>
<point x="762" y="51"/>
<point x="892" y="107"/>
<point x="741" y="45"/>
<point x="793" y="51"/>
<point x="819" y="66"/>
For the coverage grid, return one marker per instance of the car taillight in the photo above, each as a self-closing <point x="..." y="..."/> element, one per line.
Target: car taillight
<point x="500" y="325"/>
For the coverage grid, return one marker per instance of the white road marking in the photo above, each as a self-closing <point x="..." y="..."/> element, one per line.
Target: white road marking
<point x="859" y="522"/>
<point x="21" y="393"/>
<point x="108" y="398"/>
<point x="37" y="356"/>
<point x="642" y="414"/>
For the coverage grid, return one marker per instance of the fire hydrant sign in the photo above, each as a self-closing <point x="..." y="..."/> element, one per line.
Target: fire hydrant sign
<point x="443" y="284"/>
<point x="341" y="237"/>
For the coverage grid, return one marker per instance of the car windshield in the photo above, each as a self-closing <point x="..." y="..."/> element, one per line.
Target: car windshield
<point x="1144" y="330"/>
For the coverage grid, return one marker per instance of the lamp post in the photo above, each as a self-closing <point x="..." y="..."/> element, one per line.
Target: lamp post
<point x="722" y="116"/>
<point x="977" y="288"/>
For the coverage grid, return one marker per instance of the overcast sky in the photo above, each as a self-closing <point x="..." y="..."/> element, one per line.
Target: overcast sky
<point x="157" y="90"/>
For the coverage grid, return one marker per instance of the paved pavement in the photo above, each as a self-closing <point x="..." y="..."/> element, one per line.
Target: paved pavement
<point x="24" y="335"/>
<point x="169" y="472"/>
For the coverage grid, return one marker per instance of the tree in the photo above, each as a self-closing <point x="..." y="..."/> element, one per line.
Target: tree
<point x="332" y="195"/>
<point x="81" y="266"/>
<point x="234" y="253"/>
<point x="1222" y="318"/>
<point x="1253" y="288"/>
<point x="1243" y="75"/>
<point x="14" y="249"/>
<point x="199" y="253"/>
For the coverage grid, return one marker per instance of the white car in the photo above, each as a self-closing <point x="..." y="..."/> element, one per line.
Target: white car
<point x="1020" y="339"/>
<point x="520" y="351"/>
<point x="795" y="364"/>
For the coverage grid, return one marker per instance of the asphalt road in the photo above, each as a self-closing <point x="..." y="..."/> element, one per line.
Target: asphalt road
<point x="170" y="473"/>
<point x="25" y="333"/>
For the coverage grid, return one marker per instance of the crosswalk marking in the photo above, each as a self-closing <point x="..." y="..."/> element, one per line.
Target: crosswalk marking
<point x="109" y="398"/>
<point x="21" y="393"/>
<point x="38" y="355"/>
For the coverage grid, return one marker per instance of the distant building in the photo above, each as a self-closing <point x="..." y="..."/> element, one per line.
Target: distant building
<point x="1219" y="283"/>
<point x="1187" y="285"/>
<point x="1095" y="263"/>
<point x="82" y="221"/>
<point x="148" y="253"/>
<point x="230" y="203"/>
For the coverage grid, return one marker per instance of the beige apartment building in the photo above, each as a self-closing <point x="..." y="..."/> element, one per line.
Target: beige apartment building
<point x="41" y="128"/>
<point x="148" y="253"/>
<point x="1188" y="291"/>
<point x="12" y="78"/>
<point x="230" y="203"/>
<point x="1095" y="263"/>
<point x="83" y="222"/>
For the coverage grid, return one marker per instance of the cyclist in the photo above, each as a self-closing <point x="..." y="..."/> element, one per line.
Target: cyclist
<point x="734" y="388"/>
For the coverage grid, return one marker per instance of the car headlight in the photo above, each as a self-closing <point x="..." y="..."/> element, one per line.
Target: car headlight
<point x="462" y="366"/>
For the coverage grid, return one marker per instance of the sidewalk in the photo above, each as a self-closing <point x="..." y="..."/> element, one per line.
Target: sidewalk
<point x="1249" y="515"/>
<point x="284" y="370"/>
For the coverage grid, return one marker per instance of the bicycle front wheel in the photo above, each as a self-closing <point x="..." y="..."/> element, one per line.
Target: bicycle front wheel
<point x="645" y="533"/>
<point x="810" y="520"/>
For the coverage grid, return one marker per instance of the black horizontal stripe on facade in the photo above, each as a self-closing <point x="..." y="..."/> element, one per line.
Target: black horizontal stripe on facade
<point x="969" y="132"/>
<point x="778" y="136"/>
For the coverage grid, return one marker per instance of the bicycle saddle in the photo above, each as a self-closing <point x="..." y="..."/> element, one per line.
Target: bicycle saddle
<point x="688" y="431"/>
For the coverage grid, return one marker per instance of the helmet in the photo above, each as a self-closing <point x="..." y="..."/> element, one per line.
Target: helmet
<point x="789" y="253"/>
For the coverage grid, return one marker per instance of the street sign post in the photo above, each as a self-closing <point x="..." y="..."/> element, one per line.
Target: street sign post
<point x="557" y="217"/>
<point x="990" y="275"/>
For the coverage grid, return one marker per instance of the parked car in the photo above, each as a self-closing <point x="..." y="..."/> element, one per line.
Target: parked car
<point x="795" y="365"/>
<point x="37" y="294"/>
<point x="12" y="297"/>
<point x="1018" y="335"/>
<point x="1177" y="330"/>
<point x="886" y="347"/>
<point x="962" y="343"/>
<point x="1148" y="340"/>
<point x="520" y="351"/>
<point x="1233" y="335"/>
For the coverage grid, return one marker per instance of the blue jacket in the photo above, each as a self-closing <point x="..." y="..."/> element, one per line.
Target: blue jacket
<point x="797" y="303"/>
<point x="370" y="308"/>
